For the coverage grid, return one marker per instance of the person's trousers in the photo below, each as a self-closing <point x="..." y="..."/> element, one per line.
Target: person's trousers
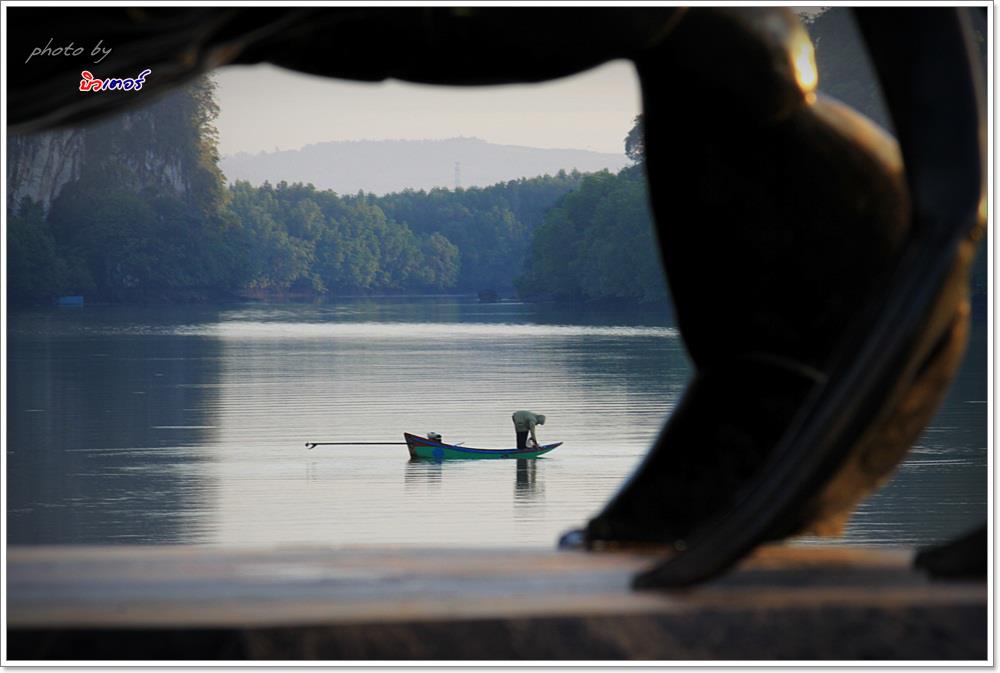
<point x="522" y="439"/>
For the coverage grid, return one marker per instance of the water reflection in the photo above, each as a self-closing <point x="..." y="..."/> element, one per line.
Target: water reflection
<point x="449" y="310"/>
<point x="422" y="473"/>
<point x="527" y="486"/>
<point x="106" y="427"/>
<point x="180" y="425"/>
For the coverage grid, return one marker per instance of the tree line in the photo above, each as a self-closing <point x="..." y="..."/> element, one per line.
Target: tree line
<point x="299" y="238"/>
<point x="598" y="243"/>
<point x="149" y="218"/>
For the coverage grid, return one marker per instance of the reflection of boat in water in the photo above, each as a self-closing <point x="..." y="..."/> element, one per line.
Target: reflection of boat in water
<point x="425" y="475"/>
<point x="422" y="447"/>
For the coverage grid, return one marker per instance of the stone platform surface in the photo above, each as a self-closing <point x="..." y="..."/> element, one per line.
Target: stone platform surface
<point x="401" y="604"/>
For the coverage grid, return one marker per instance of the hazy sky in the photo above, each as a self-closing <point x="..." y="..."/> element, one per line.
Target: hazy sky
<point x="264" y="107"/>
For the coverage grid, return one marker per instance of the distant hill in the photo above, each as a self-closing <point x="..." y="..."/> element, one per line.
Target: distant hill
<point x="384" y="166"/>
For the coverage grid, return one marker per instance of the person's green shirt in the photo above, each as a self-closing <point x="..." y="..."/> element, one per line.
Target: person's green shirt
<point x="525" y="421"/>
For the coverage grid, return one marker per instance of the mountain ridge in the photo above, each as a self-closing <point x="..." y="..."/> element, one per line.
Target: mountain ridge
<point x="386" y="166"/>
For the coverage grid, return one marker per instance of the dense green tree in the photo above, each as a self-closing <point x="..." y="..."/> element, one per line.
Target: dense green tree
<point x="273" y="259"/>
<point x="491" y="227"/>
<point x="597" y="244"/>
<point x="635" y="141"/>
<point x="34" y="269"/>
<point x="439" y="270"/>
<point x="112" y="231"/>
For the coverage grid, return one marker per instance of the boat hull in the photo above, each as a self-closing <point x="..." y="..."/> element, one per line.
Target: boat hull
<point x="422" y="448"/>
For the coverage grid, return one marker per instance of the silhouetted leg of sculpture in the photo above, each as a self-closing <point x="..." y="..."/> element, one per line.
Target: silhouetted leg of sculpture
<point x="782" y="217"/>
<point x="963" y="557"/>
<point x="777" y="216"/>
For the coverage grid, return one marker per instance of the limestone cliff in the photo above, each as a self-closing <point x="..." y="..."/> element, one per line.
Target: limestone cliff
<point x="40" y="165"/>
<point x="155" y="149"/>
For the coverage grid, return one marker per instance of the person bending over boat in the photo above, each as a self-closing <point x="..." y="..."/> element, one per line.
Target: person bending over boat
<point x="524" y="423"/>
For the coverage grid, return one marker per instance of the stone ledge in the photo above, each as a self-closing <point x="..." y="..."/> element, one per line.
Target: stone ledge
<point x="391" y="604"/>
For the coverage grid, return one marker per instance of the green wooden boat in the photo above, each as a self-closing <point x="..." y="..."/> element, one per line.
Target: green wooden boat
<point x="428" y="449"/>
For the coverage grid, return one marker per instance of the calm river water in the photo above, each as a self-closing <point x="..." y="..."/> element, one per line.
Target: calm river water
<point x="187" y="424"/>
